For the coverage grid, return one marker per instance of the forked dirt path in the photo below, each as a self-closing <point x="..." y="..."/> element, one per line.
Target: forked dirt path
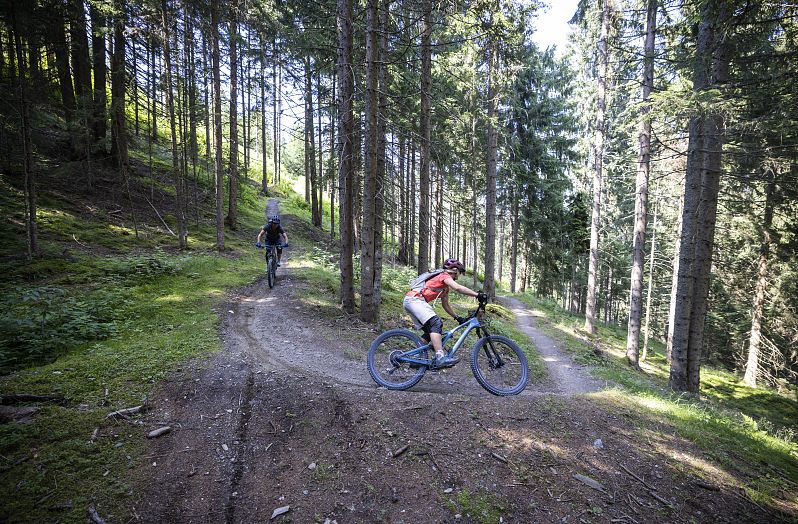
<point x="285" y="418"/>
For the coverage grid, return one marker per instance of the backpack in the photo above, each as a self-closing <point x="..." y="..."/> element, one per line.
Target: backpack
<point x="417" y="284"/>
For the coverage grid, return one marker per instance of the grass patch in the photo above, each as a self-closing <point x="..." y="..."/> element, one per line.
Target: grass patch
<point x="480" y="507"/>
<point x="748" y="431"/>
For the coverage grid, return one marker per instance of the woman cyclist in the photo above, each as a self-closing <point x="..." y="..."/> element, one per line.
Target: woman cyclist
<point x="417" y="304"/>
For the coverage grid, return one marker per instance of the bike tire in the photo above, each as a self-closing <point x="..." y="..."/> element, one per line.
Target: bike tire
<point x="270" y="271"/>
<point x="391" y="374"/>
<point x="509" y="378"/>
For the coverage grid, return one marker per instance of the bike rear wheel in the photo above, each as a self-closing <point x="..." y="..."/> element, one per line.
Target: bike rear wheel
<point x="499" y="365"/>
<point x="270" y="270"/>
<point x="383" y="366"/>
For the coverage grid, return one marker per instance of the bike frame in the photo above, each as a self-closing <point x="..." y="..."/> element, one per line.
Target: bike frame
<point x="411" y="355"/>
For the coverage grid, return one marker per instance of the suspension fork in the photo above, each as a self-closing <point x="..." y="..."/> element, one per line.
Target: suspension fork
<point x="490" y="351"/>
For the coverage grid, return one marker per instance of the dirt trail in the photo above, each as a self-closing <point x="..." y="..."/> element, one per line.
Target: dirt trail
<point x="287" y="415"/>
<point x="565" y="377"/>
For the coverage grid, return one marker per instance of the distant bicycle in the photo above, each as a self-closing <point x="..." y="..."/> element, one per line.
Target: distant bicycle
<point x="271" y="261"/>
<point x="398" y="358"/>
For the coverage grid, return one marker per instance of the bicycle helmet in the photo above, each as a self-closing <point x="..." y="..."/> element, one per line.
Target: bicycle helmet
<point x="274" y="219"/>
<point x="453" y="263"/>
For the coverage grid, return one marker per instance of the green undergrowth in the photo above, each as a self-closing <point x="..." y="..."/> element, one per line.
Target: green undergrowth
<point x="97" y="325"/>
<point x="750" y="432"/>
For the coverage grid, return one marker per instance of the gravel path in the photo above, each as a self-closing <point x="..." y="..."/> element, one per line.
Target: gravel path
<point x="565" y="376"/>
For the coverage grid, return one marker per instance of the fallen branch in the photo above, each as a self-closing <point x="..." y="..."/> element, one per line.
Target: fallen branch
<point x="160" y="218"/>
<point x="643" y="482"/>
<point x="590" y="482"/>
<point x="78" y="241"/>
<point x="706" y="485"/>
<point x="158" y="432"/>
<point x="94" y="516"/>
<point x="401" y="450"/>
<point x="498" y="457"/>
<point x="124" y="413"/>
<point x="660" y="499"/>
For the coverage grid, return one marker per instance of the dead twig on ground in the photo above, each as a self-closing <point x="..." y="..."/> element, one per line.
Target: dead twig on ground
<point x="399" y="451"/>
<point x="643" y="482"/>
<point x="499" y="457"/>
<point x="124" y="413"/>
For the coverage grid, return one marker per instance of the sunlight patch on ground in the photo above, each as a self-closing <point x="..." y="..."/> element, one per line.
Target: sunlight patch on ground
<point x="664" y="444"/>
<point x="526" y="441"/>
<point x="259" y="300"/>
<point x="171" y="298"/>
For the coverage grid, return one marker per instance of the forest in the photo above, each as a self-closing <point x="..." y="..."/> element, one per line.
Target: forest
<point x="643" y="178"/>
<point x="598" y="177"/>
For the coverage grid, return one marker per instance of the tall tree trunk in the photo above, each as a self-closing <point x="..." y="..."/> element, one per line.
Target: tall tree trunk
<point x="490" y="192"/>
<point x="99" y="22"/>
<point x="118" y="125"/>
<point x="333" y="156"/>
<point x="697" y="202"/>
<point x="368" y="311"/>
<point x="31" y="225"/>
<point x="344" y="15"/>
<point x="275" y="114"/>
<point x="153" y="73"/>
<point x="403" y="213"/>
<point x="232" y="205"/>
<point x="320" y="150"/>
<point x="708" y="204"/>
<point x="595" y="221"/>
<point x="58" y="33"/>
<point x="80" y="58"/>
<point x="182" y="234"/>
<point x="754" y="341"/>
<point x="191" y="96"/>
<point x="217" y="125"/>
<point x="311" y="183"/>
<point x="647" y="329"/>
<point x="514" y="244"/>
<point x="426" y="84"/>
<point x="264" y="183"/>
<point x="641" y="199"/>
<point x="411" y="197"/>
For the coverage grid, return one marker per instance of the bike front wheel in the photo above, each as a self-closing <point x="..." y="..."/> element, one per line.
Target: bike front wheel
<point x="384" y="366"/>
<point x="270" y="267"/>
<point x="499" y="365"/>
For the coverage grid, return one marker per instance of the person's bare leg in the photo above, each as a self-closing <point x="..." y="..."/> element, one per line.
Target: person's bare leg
<point x="437" y="344"/>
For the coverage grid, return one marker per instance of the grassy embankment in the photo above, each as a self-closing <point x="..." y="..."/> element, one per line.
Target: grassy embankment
<point x="97" y="321"/>
<point x="748" y="432"/>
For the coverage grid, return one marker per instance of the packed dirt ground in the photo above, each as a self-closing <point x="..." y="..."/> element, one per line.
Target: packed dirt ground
<point x="285" y="422"/>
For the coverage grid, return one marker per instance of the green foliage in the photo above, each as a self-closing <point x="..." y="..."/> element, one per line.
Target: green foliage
<point x="39" y="324"/>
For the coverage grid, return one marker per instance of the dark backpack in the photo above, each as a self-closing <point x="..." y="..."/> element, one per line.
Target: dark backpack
<point x="417" y="284"/>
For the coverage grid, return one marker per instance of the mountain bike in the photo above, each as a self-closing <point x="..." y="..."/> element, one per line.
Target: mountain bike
<point x="271" y="262"/>
<point x="398" y="358"/>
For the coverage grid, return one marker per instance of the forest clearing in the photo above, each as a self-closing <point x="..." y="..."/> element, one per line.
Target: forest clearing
<point x="626" y="202"/>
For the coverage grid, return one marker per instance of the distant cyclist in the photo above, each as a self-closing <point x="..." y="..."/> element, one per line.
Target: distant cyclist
<point x="272" y="233"/>
<point x="417" y="304"/>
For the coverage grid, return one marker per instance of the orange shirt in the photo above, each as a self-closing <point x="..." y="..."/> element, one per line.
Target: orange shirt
<point x="434" y="288"/>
